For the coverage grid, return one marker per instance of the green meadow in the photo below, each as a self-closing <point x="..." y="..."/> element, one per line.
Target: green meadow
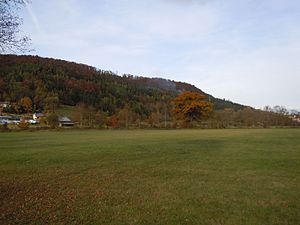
<point x="221" y="177"/>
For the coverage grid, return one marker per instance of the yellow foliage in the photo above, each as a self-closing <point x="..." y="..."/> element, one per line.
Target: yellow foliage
<point x="191" y="106"/>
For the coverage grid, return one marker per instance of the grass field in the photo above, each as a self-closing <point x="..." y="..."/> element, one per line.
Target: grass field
<point x="249" y="176"/>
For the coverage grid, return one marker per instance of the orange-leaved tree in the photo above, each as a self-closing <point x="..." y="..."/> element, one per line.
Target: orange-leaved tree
<point x="26" y="103"/>
<point x="191" y="106"/>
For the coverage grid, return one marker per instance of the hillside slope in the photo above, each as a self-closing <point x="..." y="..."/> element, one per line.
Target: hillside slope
<point x="35" y="77"/>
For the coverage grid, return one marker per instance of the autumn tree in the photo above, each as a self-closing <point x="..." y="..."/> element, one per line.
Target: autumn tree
<point x="87" y="115"/>
<point x="40" y="95"/>
<point x="191" y="106"/>
<point x="79" y="114"/>
<point x="113" y="121"/>
<point x="124" y="116"/>
<point x="23" y="125"/>
<point x="50" y="82"/>
<point x="26" y="104"/>
<point x="154" y="119"/>
<point x="226" y="117"/>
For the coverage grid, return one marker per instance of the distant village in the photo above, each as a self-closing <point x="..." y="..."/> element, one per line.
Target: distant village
<point x="41" y="120"/>
<point x="35" y="118"/>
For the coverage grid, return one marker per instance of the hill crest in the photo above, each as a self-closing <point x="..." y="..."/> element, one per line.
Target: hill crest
<point x="90" y="84"/>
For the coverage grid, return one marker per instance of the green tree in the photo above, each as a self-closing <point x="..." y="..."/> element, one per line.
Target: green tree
<point x="51" y="103"/>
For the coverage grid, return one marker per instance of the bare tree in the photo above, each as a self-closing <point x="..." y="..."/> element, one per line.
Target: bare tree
<point x="280" y="110"/>
<point x="10" y="38"/>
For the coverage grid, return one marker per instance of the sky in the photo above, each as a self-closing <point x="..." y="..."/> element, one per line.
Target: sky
<point x="245" y="51"/>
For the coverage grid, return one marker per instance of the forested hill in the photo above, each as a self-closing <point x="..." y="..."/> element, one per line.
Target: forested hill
<point x="37" y="78"/>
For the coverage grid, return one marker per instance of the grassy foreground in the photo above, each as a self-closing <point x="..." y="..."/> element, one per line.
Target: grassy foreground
<point x="151" y="177"/>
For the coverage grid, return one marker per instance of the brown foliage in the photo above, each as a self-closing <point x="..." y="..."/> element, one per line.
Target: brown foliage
<point x="113" y="122"/>
<point x="191" y="106"/>
<point x="26" y="103"/>
<point x="23" y="125"/>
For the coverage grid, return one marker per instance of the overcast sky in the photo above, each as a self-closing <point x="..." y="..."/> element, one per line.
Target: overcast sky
<point x="247" y="51"/>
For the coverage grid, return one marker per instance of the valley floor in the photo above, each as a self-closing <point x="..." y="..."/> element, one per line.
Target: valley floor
<point x="232" y="176"/>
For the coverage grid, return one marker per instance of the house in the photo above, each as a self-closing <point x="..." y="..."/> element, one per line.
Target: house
<point x="38" y="116"/>
<point x="296" y="118"/>
<point x="5" y="119"/>
<point x="4" y="104"/>
<point x="65" y="122"/>
<point x="9" y="119"/>
<point x="15" y="119"/>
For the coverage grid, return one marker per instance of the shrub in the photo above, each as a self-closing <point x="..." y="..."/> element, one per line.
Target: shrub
<point x="23" y="125"/>
<point x="52" y="120"/>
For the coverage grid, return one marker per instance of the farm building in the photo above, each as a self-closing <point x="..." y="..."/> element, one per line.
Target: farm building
<point x="4" y="104"/>
<point x="9" y="120"/>
<point x="65" y="122"/>
<point x="38" y="116"/>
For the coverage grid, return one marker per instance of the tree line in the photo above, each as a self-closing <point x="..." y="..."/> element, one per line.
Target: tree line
<point x="103" y="99"/>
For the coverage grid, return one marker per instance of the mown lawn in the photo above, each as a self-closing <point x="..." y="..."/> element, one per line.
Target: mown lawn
<point x="248" y="176"/>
